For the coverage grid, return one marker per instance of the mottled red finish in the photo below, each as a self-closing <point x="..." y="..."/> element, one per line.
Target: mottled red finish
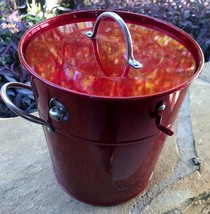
<point x="106" y="152"/>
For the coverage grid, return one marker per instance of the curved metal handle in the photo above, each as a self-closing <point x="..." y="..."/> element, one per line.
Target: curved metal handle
<point x="129" y="45"/>
<point x="17" y="110"/>
<point x="160" y="107"/>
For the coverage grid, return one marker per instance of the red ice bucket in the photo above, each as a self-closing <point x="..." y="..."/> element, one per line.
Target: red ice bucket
<point x="108" y="86"/>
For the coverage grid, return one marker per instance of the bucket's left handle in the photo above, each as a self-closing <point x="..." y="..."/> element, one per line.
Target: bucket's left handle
<point x="17" y="110"/>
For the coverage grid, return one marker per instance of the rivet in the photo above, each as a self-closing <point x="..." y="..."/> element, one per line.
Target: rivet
<point x="162" y="107"/>
<point x="50" y="129"/>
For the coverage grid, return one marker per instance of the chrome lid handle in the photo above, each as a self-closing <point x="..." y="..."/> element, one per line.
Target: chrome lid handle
<point x="129" y="45"/>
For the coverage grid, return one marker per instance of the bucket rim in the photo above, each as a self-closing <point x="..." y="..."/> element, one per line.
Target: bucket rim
<point x="160" y="25"/>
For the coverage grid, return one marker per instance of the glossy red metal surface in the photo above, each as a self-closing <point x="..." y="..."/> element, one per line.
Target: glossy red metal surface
<point x="106" y="152"/>
<point x="105" y="143"/>
<point x="103" y="174"/>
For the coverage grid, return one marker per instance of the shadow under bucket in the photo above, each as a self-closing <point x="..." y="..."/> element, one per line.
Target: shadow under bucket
<point x="106" y="114"/>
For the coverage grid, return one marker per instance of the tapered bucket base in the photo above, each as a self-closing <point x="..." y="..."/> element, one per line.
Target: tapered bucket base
<point x="101" y="198"/>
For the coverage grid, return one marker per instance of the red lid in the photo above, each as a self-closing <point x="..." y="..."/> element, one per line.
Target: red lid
<point x="59" y="51"/>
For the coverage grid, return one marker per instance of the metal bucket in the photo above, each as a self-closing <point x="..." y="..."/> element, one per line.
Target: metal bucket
<point x="104" y="148"/>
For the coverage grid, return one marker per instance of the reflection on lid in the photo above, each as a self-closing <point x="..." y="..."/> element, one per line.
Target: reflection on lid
<point x="66" y="57"/>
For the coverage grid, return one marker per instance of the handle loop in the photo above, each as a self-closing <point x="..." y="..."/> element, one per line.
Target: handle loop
<point x="129" y="45"/>
<point x="17" y="110"/>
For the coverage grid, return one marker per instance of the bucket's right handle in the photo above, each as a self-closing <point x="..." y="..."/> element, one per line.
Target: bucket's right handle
<point x="129" y="45"/>
<point x="17" y="110"/>
<point x="160" y="107"/>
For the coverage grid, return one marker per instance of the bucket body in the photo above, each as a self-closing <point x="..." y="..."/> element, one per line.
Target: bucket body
<point x="104" y="149"/>
<point x="107" y="151"/>
<point x="103" y="174"/>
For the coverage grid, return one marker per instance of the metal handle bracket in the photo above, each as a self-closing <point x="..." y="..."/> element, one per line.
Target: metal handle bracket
<point x="160" y="107"/>
<point x="57" y="111"/>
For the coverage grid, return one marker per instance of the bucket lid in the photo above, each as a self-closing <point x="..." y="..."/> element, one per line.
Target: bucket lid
<point x="92" y="53"/>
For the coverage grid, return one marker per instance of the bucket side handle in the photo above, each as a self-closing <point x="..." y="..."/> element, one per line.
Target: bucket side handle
<point x="160" y="107"/>
<point x="17" y="110"/>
